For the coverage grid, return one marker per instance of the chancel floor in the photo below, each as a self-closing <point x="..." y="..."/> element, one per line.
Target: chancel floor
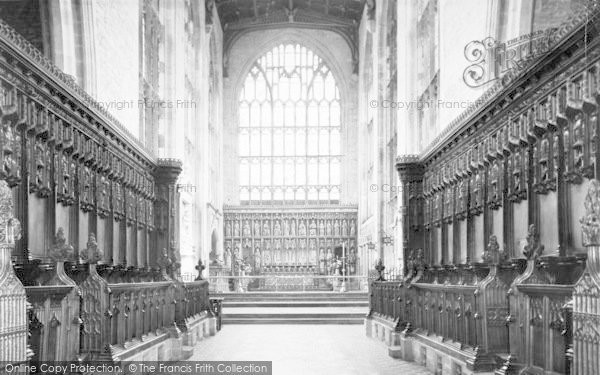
<point x="305" y="350"/>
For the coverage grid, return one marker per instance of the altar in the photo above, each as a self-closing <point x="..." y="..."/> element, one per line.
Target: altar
<point x="291" y="278"/>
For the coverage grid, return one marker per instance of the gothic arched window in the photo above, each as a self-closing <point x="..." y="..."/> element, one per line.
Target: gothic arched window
<point x="289" y="130"/>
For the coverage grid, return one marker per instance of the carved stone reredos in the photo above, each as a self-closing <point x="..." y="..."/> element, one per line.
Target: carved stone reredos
<point x="590" y="223"/>
<point x="10" y="227"/>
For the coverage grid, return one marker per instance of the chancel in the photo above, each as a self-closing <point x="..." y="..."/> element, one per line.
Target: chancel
<point x="300" y="186"/>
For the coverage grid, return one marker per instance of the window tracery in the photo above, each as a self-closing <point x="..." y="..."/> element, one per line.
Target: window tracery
<point x="289" y="130"/>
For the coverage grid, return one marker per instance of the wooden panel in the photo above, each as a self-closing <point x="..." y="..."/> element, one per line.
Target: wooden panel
<point x="517" y="167"/>
<point x="549" y="222"/>
<point x="577" y="194"/>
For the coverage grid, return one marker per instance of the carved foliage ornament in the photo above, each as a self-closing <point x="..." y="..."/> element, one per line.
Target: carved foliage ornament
<point x="92" y="254"/>
<point x="61" y="251"/>
<point x="590" y="223"/>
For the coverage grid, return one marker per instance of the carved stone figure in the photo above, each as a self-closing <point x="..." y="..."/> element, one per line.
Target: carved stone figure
<point x="516" y="172"/>
<point x="534" y="248"/>
<point x="257" y="259"/>
<point x="352" y="258"/>
<point x="410" y="266"/>
<point x="590" y="223"/>
<point x="329" y="258"/>
<point x="578" y="141"/>
<point x="493" y="254"/>
<point x="544" y="158"/>
<point x="494" y="188"/>
<point x="164" y="260"/>
<point x="302" y="228"/>
<point x="286" y="227"/>
<point x="228" y="256"/>
<point x="321" y="260"/>
<point x="236" y="229"/>
<point x="277" y="229"/>
<point x="246" y="229"/>
<point x="10" y="227"/>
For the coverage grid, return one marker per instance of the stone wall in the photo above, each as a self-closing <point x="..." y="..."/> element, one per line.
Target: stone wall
<point x="117" y="42"/>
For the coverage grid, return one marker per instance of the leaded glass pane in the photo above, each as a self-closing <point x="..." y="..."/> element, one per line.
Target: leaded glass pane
<point x="289" y="130"/>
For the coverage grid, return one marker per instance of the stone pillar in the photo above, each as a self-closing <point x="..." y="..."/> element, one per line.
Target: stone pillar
<point x="410" y="171"/>
<point x="13" y="309"/>
<point x="586" y="296"/>
<point x="166" y="209"/>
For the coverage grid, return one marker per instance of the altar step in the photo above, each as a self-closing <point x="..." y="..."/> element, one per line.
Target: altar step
<point x="299" y="303"/>
<point x="293" y="296"/>
<point x="294" y="308"/>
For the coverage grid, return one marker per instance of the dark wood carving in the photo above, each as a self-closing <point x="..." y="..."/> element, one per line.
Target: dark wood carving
<point x="510" y="171"/>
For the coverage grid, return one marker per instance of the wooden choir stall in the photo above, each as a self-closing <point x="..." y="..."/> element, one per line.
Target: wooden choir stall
<point x="94" y="271"/>
<point x="502" y="227"/>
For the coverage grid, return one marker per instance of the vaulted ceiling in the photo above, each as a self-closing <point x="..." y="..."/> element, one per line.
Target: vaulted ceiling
<point x="240" y="16"/>
<point x="234" y="12"/>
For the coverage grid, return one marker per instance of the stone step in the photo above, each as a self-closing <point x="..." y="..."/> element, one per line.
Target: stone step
<point x="320" y="320"/>
<point x="292" y="315"/>
<point x="294" y="308"/>
<point x="292" y="296"/>
<point x="295" y="303"/>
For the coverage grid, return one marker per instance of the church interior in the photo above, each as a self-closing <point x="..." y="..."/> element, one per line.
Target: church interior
<point x="374" y="186"/>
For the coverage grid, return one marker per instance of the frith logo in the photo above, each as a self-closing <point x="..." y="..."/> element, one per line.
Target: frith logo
<point x="492" y="60"/>
<point x="186" y="188"/>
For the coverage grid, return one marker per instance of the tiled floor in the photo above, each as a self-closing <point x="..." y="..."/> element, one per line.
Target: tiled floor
<point x="305" y="350"/>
